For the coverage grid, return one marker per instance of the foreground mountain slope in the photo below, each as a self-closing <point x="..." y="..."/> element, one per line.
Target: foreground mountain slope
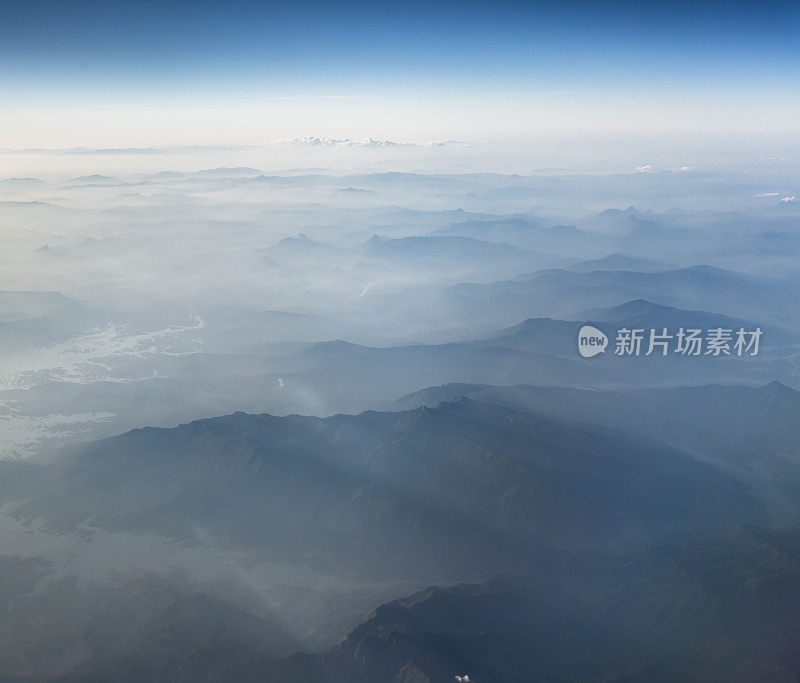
<point x="713" y="608"/>
<point x="136" y="626"/>
<point x="752" y="432"/>
<point x="729" y="422"/>
<point x="382" y="494"/>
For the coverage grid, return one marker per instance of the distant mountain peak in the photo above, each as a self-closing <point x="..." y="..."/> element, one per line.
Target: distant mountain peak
<point x="299" y="238"/>
<point x="705" y="268"/>
<point x="641" y="306"/>
<point x="776" y="389"/>
<point x="631" y="211"/>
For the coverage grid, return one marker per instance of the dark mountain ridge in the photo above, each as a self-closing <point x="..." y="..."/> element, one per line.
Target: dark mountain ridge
<point x="381" y="494"/>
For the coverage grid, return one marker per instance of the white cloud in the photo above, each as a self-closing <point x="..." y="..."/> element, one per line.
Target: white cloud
<point x="313" y="141"/>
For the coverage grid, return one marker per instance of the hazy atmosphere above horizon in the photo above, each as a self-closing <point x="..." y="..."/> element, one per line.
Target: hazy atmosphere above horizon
<point x="142" y="74"/>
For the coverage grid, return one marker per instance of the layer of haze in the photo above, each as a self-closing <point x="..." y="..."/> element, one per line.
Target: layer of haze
<point x="289" y="303"/>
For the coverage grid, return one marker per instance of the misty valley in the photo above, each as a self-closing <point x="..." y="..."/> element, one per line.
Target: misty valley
<point x="333" y="424"/>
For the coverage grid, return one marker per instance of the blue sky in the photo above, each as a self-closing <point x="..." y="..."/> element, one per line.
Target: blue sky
<point x="609" y="59"/>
